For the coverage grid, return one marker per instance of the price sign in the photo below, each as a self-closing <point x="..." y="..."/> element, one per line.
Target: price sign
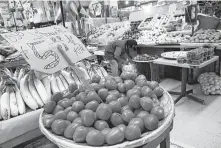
<point x="40" y="47"/>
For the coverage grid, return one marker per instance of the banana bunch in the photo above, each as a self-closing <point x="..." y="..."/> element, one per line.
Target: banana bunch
<point x="26" y="89"/>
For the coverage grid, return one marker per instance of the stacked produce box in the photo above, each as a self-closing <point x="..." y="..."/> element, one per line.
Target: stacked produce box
<point x="197" y="56"/>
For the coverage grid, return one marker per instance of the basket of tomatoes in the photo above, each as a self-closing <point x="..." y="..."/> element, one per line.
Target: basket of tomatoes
<point x="125" y="111"/>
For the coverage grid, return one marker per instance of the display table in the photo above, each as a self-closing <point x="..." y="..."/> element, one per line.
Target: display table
<point x="19" y="129"/>
<point x="185" y="67"/>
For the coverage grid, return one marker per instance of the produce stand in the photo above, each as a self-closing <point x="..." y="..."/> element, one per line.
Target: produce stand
<point x="185" y="68"/>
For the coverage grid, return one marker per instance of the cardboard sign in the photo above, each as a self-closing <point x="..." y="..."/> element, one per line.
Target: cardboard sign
<point x="40" y="47"/>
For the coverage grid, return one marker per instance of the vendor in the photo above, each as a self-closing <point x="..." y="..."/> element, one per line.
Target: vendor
<point x="120" y="52"/>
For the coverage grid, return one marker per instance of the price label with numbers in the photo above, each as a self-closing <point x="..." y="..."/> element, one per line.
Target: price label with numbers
<point x="40" y="47"/>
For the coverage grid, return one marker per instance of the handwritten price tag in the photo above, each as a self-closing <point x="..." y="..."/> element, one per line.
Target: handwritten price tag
<point x="40" y="47"/>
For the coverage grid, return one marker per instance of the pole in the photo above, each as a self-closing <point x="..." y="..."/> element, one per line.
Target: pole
<point x="62" y="13"/>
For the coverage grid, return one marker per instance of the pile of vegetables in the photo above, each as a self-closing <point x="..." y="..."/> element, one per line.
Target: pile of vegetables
<point x="205" y="36"/>
<point x="145" y="57"/>
<point x="109" y="111"/>
<point x="210" y="83"/>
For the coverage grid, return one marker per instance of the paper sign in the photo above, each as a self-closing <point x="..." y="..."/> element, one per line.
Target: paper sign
<point x="40" y="47"/>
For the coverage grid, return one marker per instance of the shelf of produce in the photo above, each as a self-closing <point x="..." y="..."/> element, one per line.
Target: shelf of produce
<point x="14" y="129"/>
<point x="167" y="62"/>
<point x="13" y="64"/>
<point x="194" y="45"/>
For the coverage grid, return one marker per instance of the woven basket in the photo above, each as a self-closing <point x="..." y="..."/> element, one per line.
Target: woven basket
<point x="166" y="102"/>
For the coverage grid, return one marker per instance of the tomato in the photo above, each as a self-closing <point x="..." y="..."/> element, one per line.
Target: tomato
<point x="103" y="112"/>
<point x="71" y="116"/>
<point x="138" y="122"/>
<point x="87" y="117"/>
<point x="158" y="111"/>
<point x="73" y="99"/>
<point x="122" y="127"/>
<point x="116" y="119"/>
<point x="115" y="106"/>
<point x="110" y="98"/>
<point x="77" y="106"/>
<point x="105" y="132"/>
<point x="100" y="125"/>
<point x="142" y="115"/>
<point x="96" y="78"/>
<point x="115" y="92"/>
<point x="80" y="134"/>
<point x="137" y="111"/>
<point x="103" y="93"/>
<point x="127" y="115"/>
<point x="95" y="138"/>
<point x="158" y="91"/>
<point x="123" y="101"/>
<point x="151" y="123"/>
<point x="67" y="110"/>
<point x="61" y="115"/>
<point x="102" y="83"/>
<point x="72" y="87"/>
<point x="65" y="103"/>
<point x="114" y="136"/>
<point x="82" y="97"/>
<point x="153" y="84"/>
<point x="49" y="107"/>
<point x="142" y="83"/>
<point x="132" y="132"/>
<point x="129" y="84"/>
<point x="47" y="121"/>
<point x="78" y="120"/>
<point x="57" y="97"/>
<point x="132" y="92"/>
<point x="140" y="77"/>
<point x="92" y="105"/>
<point x="96" y="86"/>
<point x="121" y="87"/>
<point x="69" y="131"/>
<point x="93" y="96"/>
<point x="126" y="107"/>
<point x="58" y="126"/>
<point x="137" y="87"/>
<point x="57" y="109"/>
<point x="134" y="102"/>
<point x="146" y="103"/>
<point x="146" y="91"/>
<point x="111" y="84"/>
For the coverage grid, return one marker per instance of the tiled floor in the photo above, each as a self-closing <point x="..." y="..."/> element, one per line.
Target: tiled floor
<point x="195" y="124"/>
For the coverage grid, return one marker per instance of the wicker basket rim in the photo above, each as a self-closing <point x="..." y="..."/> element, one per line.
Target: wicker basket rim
<point x="66" y="143"/>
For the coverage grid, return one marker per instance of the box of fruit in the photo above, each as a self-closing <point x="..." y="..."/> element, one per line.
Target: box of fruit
<point x="125" y="111"/>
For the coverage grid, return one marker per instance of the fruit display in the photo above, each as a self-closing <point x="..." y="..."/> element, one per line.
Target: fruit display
<point x="171" y="38"/>
<point x="161" y="37"/>
<point x="148" y="37"/>
<point x="24" y="90"/>
<point x="197" y="56"/>
<point x="131" y="34"/>
<point x="109" y="32"/>
<point x="205" y="36"/>
<point x="145" y="57"/>
<point x="210" y="83"/>
<point x="110" y="111"/>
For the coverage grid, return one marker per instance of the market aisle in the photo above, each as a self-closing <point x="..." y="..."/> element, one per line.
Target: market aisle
<point x="195" y="124"/>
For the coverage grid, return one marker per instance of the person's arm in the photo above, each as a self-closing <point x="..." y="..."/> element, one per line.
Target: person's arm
<point x="117" y="53"/>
